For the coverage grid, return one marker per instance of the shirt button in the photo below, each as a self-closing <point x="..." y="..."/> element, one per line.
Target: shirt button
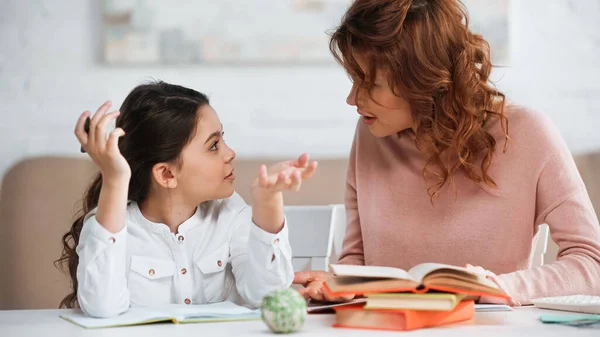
<point x="183" y="271"/>
<point x="277" y="241"/>
<point x="180" y="238"/>
<point x="151" y="272"/>
<point x="219" y="263"/>
<point x="187" y="301"/>
<point x="112" y="239"/>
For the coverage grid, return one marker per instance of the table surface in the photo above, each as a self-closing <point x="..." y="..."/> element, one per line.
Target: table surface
<point x="520" y="322"/>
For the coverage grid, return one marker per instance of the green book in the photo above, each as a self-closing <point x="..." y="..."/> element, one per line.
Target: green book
<point x="218" y="312"/>
<point x="411" y="301"/>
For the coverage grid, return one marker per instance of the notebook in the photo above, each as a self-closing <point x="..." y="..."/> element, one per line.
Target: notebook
<point x="492" y="307"/>
<point x="410" y="301"/>
<point x="358" y="280"/>
<point x="218" y="312"/>
<point x="357" y="317"/>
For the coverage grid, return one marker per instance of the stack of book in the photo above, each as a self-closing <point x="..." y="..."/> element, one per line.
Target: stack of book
<point x="427" y="295"/>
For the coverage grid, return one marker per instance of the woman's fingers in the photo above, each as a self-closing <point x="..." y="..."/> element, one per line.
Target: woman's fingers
<point x="304" y="293"/>
<point x="344" y="298"/>
<point x="315" y="293"/>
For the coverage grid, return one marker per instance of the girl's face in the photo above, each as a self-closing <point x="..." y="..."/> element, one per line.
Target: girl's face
<point x="206" y="171"/>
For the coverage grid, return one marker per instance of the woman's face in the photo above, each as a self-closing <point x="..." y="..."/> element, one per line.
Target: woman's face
<point x="383" y="111"/>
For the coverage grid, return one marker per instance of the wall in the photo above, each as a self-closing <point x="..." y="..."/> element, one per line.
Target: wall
<point x="49" y="74"/>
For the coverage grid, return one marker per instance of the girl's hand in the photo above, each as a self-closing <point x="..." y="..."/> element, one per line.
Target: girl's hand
<point x="267" y="197"/>
<point x="103" y="150"/>
<point x="286" y="175"/>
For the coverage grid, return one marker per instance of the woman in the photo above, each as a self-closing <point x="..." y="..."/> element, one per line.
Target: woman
<point x="443" y="168"/>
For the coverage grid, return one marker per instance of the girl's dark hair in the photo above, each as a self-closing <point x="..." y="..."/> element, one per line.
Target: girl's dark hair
<point x="440" y="67"/>
<point x="159" y="119"/>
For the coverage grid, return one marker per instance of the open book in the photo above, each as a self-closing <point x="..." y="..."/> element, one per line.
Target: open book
<point x="422" y="278"/>
<point x="315" y="307"/>
<point x="218" y="312"/>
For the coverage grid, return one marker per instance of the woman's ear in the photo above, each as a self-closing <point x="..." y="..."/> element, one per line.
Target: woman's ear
<point x="163" y="174"/>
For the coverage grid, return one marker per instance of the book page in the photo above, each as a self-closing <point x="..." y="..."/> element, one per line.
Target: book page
<point x="313" y="307"/>
<point x="370" y="272"/>
<point x="225" y="309"/>
<point x="421" y="270"/>
<point x="132" y="316"/>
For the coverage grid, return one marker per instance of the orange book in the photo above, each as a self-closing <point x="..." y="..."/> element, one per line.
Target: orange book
<point x="360" y="280"/>
<point x="357" y="317"/>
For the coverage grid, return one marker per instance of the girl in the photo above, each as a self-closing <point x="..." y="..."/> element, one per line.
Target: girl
<point x="436" y="174"/>
<point x="161" y="222"/>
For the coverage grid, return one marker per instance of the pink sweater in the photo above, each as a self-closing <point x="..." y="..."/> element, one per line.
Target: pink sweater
<point x="391" y="221"/>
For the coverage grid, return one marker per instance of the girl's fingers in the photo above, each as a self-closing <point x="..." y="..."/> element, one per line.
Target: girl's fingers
<point x="296" y="181"/>
<point x="113" y="140"/>
<point x="309" y="170"/>
<point x="281" y="182"/>
<point x="102" y="126"/>
<point x="301" y="161"/>
<point x="96" y="118"/>
<point x="102" y="111"/>
<point x="263" y="178"/>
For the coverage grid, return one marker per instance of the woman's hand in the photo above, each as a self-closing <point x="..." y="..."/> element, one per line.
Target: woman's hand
<point x="313" y="286"/>
<point x="267" y="197"/>
<point x="494" y="278"/>
<point x="103" y="150"/>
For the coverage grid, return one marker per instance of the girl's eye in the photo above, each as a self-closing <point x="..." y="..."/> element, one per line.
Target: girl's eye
<point x="214" y="146"/>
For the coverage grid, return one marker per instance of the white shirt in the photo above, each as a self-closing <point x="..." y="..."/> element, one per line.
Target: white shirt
<point x="218" y="254"/>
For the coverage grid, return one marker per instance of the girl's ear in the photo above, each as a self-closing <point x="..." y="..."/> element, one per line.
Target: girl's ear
<point x="163" y="175"/>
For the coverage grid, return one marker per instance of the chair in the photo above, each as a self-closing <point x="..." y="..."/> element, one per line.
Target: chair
<point x="540" y="246"/>
<point x="311" y="232"/>
<point x="339" y="232"/>
<point x="589" y="167"/>
<point x="38" y="200"/>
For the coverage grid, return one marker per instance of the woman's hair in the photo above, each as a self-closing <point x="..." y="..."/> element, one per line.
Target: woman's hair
<point x="159" y="119"/>
<point x="440" y="67"/>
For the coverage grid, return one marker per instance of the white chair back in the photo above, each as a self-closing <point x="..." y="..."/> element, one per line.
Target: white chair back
<point x="339" y="232"/>
<point x="539" y="246"/>
<point x="311" y="232"/>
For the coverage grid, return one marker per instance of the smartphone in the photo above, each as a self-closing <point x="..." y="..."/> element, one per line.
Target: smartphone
<point x="86" y="128"/>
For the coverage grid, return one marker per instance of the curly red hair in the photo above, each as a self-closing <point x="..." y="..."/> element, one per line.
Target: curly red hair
<point x="440" y="67"/>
